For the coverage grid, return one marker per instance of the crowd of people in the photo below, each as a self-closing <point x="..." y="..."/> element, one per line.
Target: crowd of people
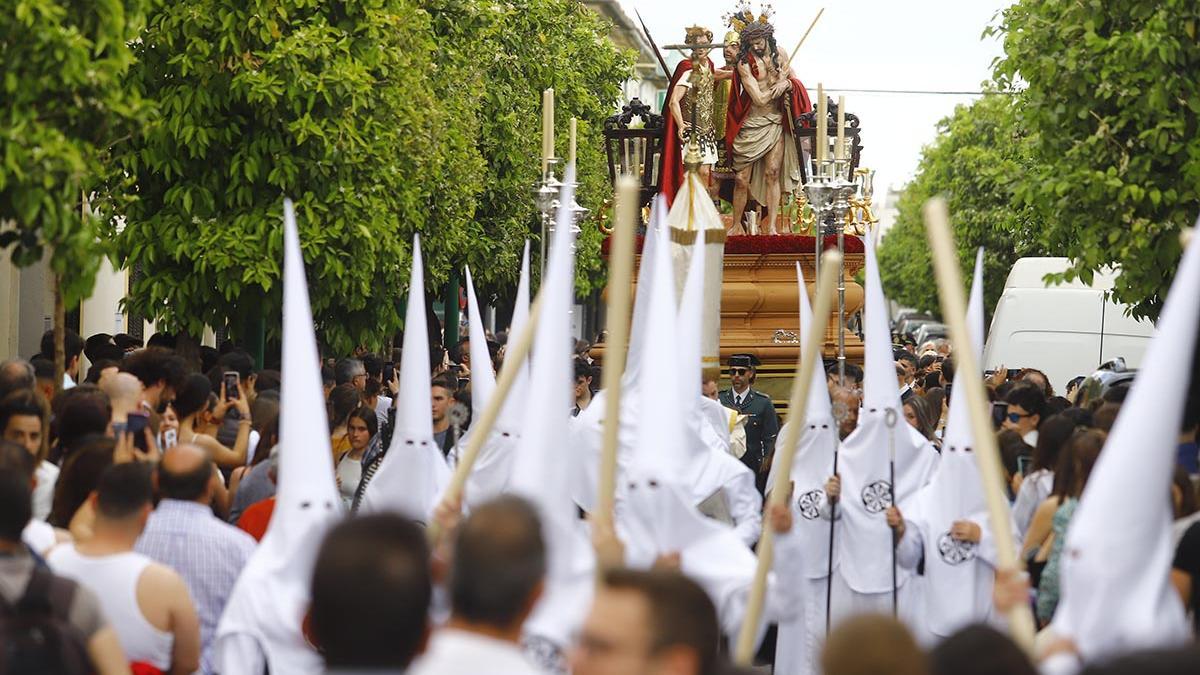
<point x="138" y="491"/>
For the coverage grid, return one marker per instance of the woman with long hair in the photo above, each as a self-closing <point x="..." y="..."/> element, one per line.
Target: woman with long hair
<point x="919" y="415"/>
<point x="361" y="428"/>
<point x="342" y="401"/>
<point x="198" y="414"/>
<point x="1074" y="468"/>
<point x="1038" y="482"/>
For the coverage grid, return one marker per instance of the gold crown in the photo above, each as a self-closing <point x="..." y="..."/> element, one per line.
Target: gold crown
<point x="695" y="33"/>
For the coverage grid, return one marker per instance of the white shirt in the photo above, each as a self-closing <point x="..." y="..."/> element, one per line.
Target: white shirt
<point x="43" y="494"/>
<point x="68" y="383"/>
<point x="39" y="536"/>
<point x="452" y="652"/>
<point x="740" y="397"/>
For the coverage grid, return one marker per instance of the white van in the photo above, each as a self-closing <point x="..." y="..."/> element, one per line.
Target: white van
<point x="1063" y="330"/>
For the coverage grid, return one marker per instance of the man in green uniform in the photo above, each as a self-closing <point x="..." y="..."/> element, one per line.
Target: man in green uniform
<point x="763" y="424"/>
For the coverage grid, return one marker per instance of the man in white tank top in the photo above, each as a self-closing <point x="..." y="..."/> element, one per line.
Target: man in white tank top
<point x="147" y="603"/>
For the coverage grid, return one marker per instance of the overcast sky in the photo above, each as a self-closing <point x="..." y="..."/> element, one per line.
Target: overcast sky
<point x="868" y="44"/>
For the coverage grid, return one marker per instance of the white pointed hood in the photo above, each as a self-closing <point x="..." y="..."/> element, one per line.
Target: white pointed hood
<point x="483" y="377"/>
<point x="513" y="411"/>
<point x="864" y="539"/>
<point x="1116" y="592"/>
<point x="813" y="464"/>
<point x="587" y="429"/>
<point x="413" y="474"/>
<point x="657" y="505"/>
<point x="490" y="473"/>
<point x="959" y="581"/>
<point x="637" y="323"/>
<point x="270" y="598"/>
<point x="541" y="469"/>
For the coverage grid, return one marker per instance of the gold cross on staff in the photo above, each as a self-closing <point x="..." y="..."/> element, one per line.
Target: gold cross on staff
<point x="702" y="45"/>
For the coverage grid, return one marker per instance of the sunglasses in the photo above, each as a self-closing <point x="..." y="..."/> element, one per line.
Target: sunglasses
<point x="738" y="371"/>
<point x="1016" y="417"/>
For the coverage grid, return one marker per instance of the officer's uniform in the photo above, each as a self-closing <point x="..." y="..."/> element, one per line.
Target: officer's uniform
<point x="762" y="425"/>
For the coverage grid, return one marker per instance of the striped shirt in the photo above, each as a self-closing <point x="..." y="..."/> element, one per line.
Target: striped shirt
<point x="208" y="553"/>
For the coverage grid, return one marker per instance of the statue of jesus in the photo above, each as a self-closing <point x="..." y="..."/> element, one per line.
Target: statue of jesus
<point x="764" y="101"/>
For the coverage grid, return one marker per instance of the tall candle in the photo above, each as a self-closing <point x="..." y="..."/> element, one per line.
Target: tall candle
<point x="571" y="153"/>
<point x="822" y="125"/>
<point x="841" y="135"/>
<point x="545" y="128"/>
<point x="550" y="125"/>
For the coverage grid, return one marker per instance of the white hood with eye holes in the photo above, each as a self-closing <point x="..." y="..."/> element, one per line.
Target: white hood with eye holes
<point x="413" y="474"/>
<point x="269" y="601"/>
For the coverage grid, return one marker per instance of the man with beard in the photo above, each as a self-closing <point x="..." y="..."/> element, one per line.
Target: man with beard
<point x="759" y="128"/>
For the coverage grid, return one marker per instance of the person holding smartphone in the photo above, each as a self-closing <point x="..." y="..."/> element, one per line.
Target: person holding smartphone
<point x="194" y="400"/>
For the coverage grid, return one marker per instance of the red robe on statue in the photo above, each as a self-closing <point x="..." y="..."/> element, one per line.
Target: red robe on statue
<point x="739" y="104"/>
<point x="670" y="171"/>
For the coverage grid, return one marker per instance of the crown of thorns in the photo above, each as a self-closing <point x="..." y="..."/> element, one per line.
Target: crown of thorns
<point x="757" y="30"/>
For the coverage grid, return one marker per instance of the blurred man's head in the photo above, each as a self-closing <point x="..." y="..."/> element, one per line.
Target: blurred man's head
<point x="499" y="566"/>
<point x="1026" y="403"/>
<point x="160" y="371"/>
<point x="441" y="396"/>
<point x="648" y="623"/>
<point x="23" y="420"/>
<point x="846" y="402"/>
<point x="16" y="491"/>
<point x="124" y="497"/>
<point x="185" y="473"/>
<point x="708" y="388"/>
<point x="15" y="374"/>
<point x="371" y="590"/>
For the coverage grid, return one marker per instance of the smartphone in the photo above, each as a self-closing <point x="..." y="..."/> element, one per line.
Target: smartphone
<point x="999" y="410"/>
<point x="1023" y="463"/>
<point x="136" y="424"/>
<point x="389" y="372"/>
<point x="231" y="385"/>
<point x="1013" y="372"/>
<point x="170" y="438"/>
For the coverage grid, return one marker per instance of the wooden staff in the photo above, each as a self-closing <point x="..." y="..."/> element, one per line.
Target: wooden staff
<point x="620" y="299"/>
<point x="514" y="359"/>
<point x="831" y="266"/>
<point x="954" y="309"/>
<point x="805" y="37"/>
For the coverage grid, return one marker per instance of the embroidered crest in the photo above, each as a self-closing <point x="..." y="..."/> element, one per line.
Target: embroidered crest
<point x="877" y="496"/>
<point x="954" y="551"/>
<point x="809" y="504"/>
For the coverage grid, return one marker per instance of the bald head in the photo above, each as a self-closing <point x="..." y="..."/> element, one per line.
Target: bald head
<point x="14" y="375"/>
<point x="185" y="473"/>
<point x="846" y="402"/>
<point x="124" y="392"/>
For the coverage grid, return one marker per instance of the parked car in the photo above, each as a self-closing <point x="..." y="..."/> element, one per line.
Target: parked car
<point x="931" y="331"/>
<point x="1064" y="330"/>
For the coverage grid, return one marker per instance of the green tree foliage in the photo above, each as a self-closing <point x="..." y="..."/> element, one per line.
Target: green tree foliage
<point x="379" y="118"/>
<point x="63" y="106"/>
<point x="1112" y="102"/>
<point x="978" y="161"/>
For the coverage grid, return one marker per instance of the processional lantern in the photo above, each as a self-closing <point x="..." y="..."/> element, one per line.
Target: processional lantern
<point x="633" y="141"/>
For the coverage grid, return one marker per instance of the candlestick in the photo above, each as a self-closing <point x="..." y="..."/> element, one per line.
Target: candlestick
<point x="571" y="152"/>
<point x="841" y="135"/>
<point x="822" y="125"/>
<point x="545" y="129"/>
<point x="550" y="125"/>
